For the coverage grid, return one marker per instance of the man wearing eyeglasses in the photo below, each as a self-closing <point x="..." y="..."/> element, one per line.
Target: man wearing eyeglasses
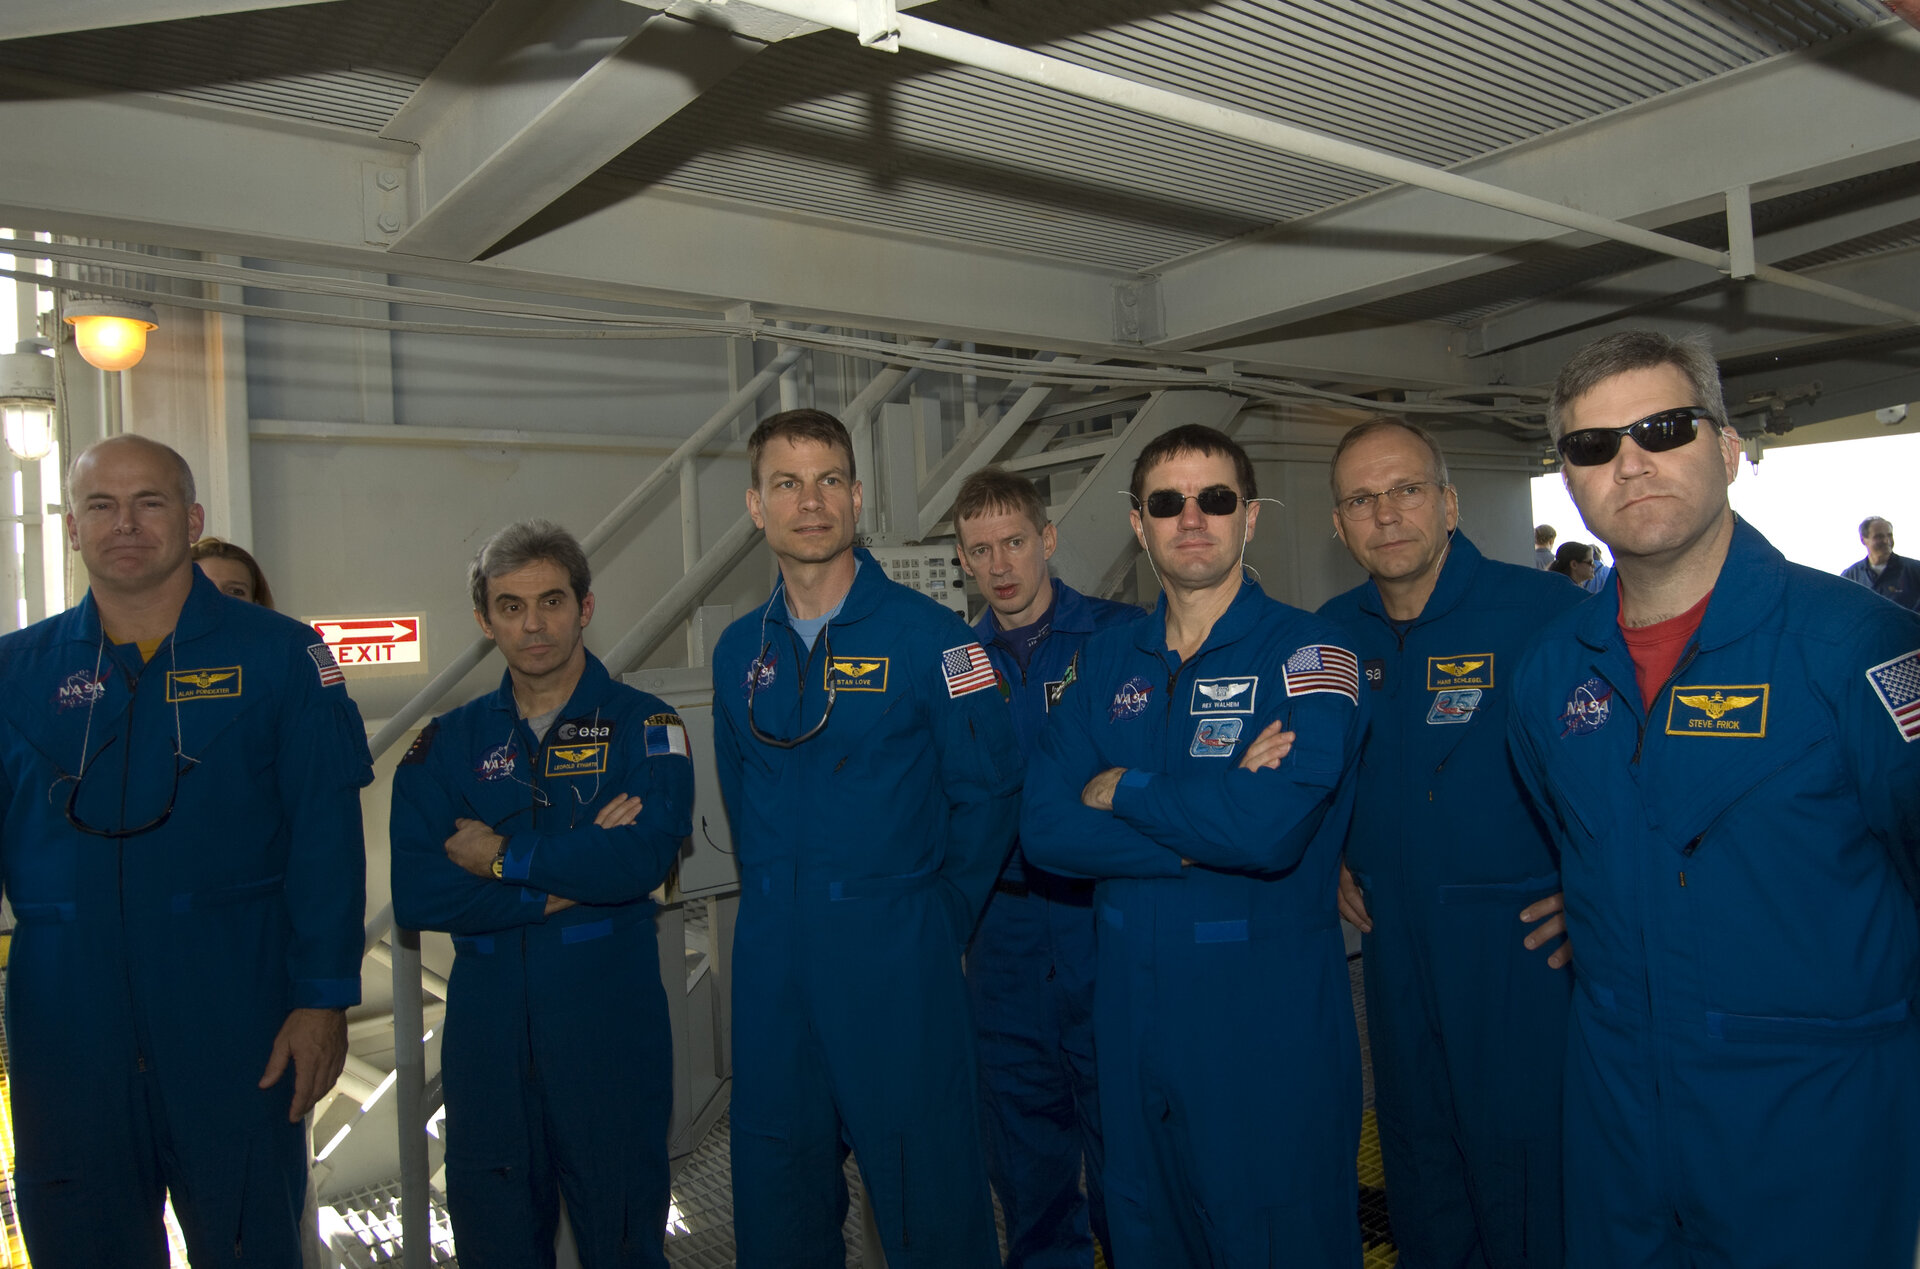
<point x="872" y="781"/>
<point x="1447" y="864"/>
<point x="1887" y="575"/>
<point x="1030" y="968"/>
<point x="180" y="830"/>
<point x="1725" y="746"/>
<point x="532" y="824"/>
<point x="1229" y="1067"/>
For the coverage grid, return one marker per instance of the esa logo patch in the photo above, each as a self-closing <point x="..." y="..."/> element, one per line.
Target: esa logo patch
<point x="1131" y="700"/>
<point x="1454" y="706"/>
<point x="496" y="763"/>
<point x="856" y="674"/>
<point x="202" y="685"/>
<point x="1472" y="669"/>
<point x="1224" y="696"/>
<point x="1718" y="711"/>
<point x="583" y="729"/>
<point x="79" y="688"/>
<point x="1374" y="671"/>
<point x="573" y="760"/>
<point x="1216" y="737"/>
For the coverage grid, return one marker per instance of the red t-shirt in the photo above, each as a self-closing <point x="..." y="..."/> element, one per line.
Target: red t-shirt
<point x="1656" y="649"/>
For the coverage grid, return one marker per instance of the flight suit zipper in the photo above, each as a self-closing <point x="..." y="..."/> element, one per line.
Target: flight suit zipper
<point x="1640" y="740"/>
<point x="120" y="869"/>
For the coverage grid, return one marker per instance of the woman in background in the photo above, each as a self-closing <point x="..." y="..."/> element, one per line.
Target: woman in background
<point x="1574" y="560"/>
<point x="234" y="570"/>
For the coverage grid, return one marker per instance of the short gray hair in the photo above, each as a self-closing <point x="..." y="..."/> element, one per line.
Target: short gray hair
<point x="182" y="472"/>
<point x="1360" y="431"/>
<point x="527" y="542"/>
<point x="1628" y="350"/>
<point x="1867" y="524"/>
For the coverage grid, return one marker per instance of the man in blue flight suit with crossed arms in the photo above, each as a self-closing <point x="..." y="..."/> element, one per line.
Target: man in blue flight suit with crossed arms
<point x="532" y="824"/>
<point x="181" y="844"/>
<point x="872" y="782"/>
<point x="1229" y="1065"/>
<point x="1445" y="859"/>
<point x="1728" y="747"/>
<point x="1030" y="967"/>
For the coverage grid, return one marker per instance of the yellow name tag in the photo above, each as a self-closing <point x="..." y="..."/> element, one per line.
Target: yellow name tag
<point x="1472" y="669"/>
<point x="572" y="760"/>
<point x="1718" y="711"/>
<point x="856" y="674"/>
<point x="201" y="685"/>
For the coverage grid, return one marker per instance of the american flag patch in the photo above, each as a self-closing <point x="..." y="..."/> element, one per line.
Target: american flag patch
<point x="1898" y="683"/>
<point x="331" y="675"/>
<point x="966" y="669"/>
<point x="1321" y="667"/>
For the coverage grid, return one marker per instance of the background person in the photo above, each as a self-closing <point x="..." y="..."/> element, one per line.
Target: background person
<point x="872" y="781"/>
<point x="1030" y="966"/>
<point x="234" y="570"/>
<point x="1724" y="746"/>
<point x="1543" y="536"/>
<point x="180" y="832"/>
<point x="1574" y="561"/>
<point x="1887" y="575"/>
<point x="1229" y="1064"/>
<point x="532" y="824"/>
<point x="1466" y="1005"/>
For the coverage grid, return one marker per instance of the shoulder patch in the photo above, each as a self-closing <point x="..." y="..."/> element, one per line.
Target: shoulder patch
<point x="421" y="746"/>
<point x="331" y="675"/>
<point x="966" y="669"/>
<point x="666" y="734"/>
<point x="1323" y="667"/>
<point x="1897" y="683"/>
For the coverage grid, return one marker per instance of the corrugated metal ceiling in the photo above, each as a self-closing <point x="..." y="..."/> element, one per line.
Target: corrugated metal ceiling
<point x="910" y="144"/>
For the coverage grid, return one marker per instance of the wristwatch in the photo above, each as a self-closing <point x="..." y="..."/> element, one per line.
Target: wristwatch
<point x="500" y="863"/>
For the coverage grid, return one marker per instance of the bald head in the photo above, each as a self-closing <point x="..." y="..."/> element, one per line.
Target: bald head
<point x="166" y="455"/>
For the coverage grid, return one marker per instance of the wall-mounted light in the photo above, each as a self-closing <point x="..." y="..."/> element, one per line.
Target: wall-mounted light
<point x="26" y="404"/>
<point x="110" y="334"/>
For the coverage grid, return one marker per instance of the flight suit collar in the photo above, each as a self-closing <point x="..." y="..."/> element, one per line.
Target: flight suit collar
<point x="1457" y="573"/>
<point x="199" y="616"/>
<point x="1751" y="582"/>
<point x="589" y="692"/>
<point x="863" y="597"/>
<point x="1240" y="617"/>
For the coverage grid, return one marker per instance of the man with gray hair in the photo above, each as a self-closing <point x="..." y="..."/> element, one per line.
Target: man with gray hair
<point x="1457" y="893"/>
<point x="180" y="778"/>
<point x="1724" y="746"/>
<point x="1887" y="575"/>
<point x="532" y="824"/>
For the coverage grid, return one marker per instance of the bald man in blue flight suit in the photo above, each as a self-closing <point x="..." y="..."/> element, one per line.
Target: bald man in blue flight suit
<point x="872" y="782"/>
<point x="1445" y="860"/>
<point x="532" y="825"/>
<point x="1229" y="1064"/>
<point x="1728" y="748"/>
<point x="181" y="845"/>
<point x="1030" y="966"/>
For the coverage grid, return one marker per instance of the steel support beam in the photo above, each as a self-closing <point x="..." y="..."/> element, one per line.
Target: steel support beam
<point x="537" y="98"/>
<point x="1784" y="124"/>
<point x="144" y="169"/>
<point x="1639" y="289"/>
<point x="25" y="19"/>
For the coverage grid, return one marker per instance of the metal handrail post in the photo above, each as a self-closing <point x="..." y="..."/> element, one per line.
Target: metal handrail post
<point x="410" y="1089"/>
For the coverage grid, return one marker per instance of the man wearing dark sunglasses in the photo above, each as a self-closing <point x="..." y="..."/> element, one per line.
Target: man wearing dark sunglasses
<point x="1447" y="866"/>
<point x="872" y="782"/>
<point x="180" y="829"/>
<point x="1727" y="748"/>
<point x="1229" y="1066"/>
<point x="532" y="824"/>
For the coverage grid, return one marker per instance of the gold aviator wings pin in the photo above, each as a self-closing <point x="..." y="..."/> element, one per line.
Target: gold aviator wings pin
<point x="1457" y="668"/>
<point x="1716" y="705"/>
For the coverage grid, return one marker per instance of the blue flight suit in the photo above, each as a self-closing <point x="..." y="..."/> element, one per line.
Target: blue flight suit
<point x="150" y="973"/>
<point x="1467" y="1025"/>
<point x="1739" y="863"/>
<point x="1030" y="977"/>
<point x="866" y="855"/>
<point x="557" y="1058"/>
<point x="1229" y="1064"/>
<point x="1899" y="581"/>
